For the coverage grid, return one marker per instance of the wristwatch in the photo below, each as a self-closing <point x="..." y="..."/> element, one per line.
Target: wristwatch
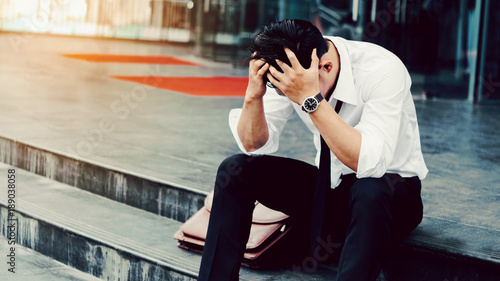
<point x="310" y="104"/>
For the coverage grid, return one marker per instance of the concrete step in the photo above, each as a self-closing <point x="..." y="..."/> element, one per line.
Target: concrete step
<point x="153" y="195"/>
<point x="105" y="238"/>
<point x="447" y="249"/>
<point x="29" y="265"/>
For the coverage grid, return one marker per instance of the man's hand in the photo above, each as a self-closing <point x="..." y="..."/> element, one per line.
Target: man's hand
<point x="296" y="82"/>
<point x="252" y="126"/>
<point x="256" y="86"/>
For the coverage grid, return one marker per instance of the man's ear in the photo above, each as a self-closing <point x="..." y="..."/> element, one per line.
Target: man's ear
<point x="327" y="66"/>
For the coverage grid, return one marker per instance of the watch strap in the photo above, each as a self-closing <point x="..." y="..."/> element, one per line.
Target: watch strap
<point x="319" y="97"/>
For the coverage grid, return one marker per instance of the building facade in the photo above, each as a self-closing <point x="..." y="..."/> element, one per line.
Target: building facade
<point x="449" y="46"/>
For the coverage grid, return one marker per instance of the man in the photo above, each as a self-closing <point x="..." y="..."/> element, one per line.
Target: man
<point x="371" y="150"/>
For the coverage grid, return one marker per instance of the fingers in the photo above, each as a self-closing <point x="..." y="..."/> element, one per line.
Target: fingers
<point x="276" y="74"/>
<point x="257" y="65"/>
<point x="292" y="58"/>
<point x="285" y="67"/>
<point x="273" y="79"/>
<point x="314" y="59"/>
<point x="295" y="62"/>
<point x="263" y="69"/>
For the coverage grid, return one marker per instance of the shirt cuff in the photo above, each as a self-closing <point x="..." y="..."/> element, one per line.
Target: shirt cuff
<point x="372" y="160"/>
<point x="268" y="148"/>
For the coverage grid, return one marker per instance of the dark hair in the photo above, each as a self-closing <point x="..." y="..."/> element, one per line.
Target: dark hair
<point x="300" y="36"/>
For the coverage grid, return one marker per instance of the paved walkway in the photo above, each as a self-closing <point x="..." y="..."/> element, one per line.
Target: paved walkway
<point x="72" y="106"/>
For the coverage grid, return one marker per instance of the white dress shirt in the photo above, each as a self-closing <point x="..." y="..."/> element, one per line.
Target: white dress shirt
<point x="375" y="87"/>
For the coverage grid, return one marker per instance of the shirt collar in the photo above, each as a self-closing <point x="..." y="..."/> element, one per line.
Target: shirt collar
<point x="344" y="90"/>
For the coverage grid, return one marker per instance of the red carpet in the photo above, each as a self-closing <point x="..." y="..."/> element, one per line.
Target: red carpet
<point x="198" y="86"/>
<point x="130" y="59"/>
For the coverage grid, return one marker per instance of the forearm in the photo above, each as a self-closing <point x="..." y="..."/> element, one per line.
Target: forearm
<point x="342" y="139"/>
<point x="252" y="126"/>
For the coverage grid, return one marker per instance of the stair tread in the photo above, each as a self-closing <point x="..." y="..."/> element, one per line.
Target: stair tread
<point x="30" y="265"/>
<point x="119" y="226"/>
<point x="149" y="236"/>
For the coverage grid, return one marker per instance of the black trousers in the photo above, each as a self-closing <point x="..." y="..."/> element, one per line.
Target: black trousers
<point x="366" y="214"/>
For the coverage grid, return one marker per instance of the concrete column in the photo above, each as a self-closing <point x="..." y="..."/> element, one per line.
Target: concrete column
<point x="483" y="28"/>
<point x="459" y="55"/>
<point x="262" y="11"/>
<point x="243" y="8"/>
<point x="282" y="9"/>
<point x="474" y="62"/>
<point x="198" y="30"/>
<point x="92" y="11"/>
<point x="156" y="13"/>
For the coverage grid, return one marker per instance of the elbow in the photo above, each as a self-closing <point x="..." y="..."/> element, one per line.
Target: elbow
<point x="353" y="154"/>
<point x="249" y="148"/>
<point x="353" y="165"/>
<point x="376" y="170"/>
<point x="252" y="140"/>
<point x="252" y="146"/>
<point x="352" y="162"/>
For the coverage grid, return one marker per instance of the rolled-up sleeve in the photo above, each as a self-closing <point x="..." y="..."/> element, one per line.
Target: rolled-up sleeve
<point x="278" y="109"/>
<point x="381" y="119"/>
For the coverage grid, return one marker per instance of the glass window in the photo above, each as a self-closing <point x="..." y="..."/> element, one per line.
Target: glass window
<point x="489" y="77"/>
<point x="434" y="38"/>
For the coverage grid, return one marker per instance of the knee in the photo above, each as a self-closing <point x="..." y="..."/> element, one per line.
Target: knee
<point x="370" y="193"/>
<point x="234" y="165"/>
<point x="230" y="169"/>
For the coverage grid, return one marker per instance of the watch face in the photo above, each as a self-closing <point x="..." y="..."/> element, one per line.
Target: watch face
<point x="310" y="104"/>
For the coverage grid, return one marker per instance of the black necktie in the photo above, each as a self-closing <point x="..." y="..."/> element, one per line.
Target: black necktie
<point x="322" y="185"/>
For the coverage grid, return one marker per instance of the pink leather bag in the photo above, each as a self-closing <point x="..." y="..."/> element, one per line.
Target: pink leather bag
<point x="268" y="227"/>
